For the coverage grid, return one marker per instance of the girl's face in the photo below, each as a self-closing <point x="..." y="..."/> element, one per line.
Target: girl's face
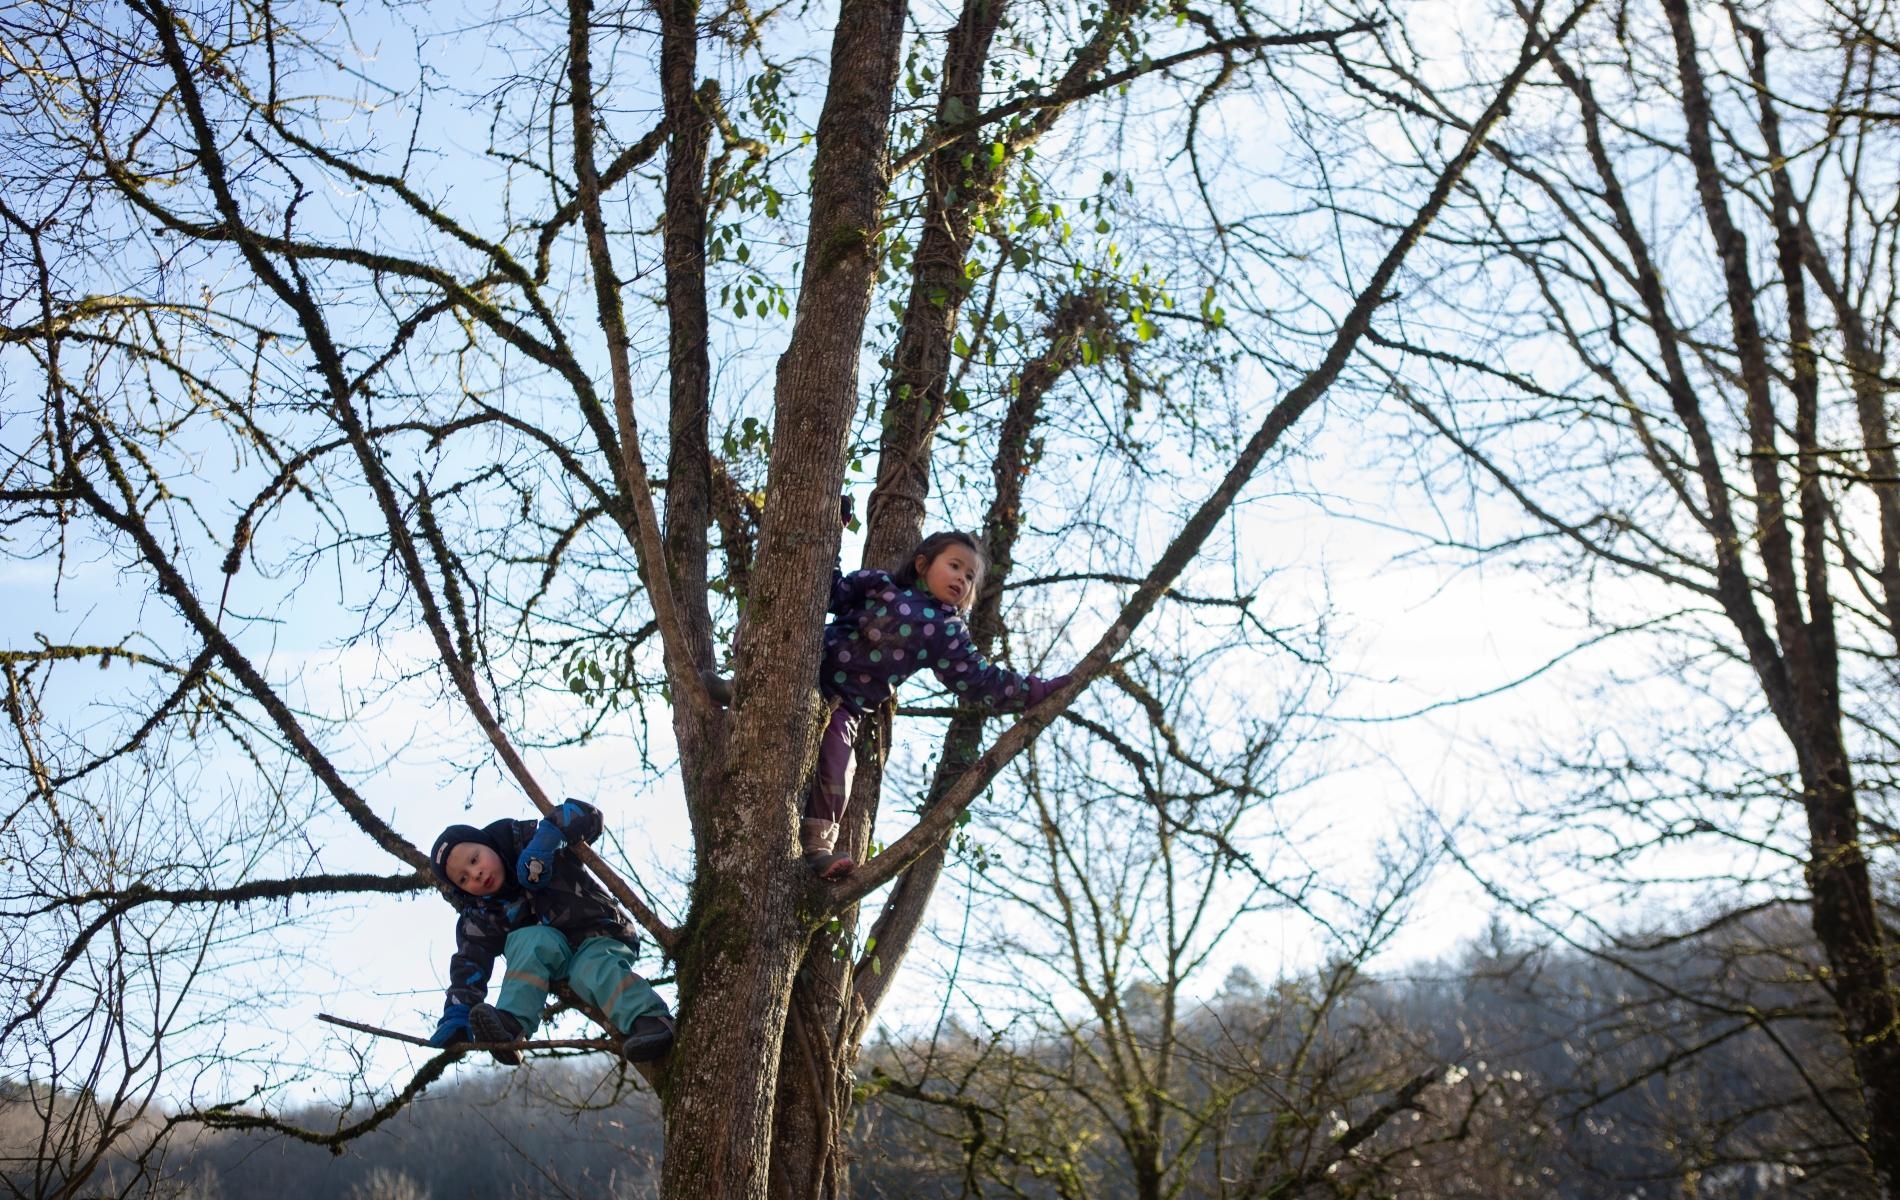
<point x="474" y="868"/>
<point x="951" y="576"/>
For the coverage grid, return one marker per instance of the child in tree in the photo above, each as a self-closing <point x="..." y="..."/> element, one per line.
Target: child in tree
<point x="521" y="896"/>
<point x="885" y="627"/>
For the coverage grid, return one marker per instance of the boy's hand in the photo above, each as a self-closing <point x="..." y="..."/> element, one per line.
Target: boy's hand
<point x="535" y="867"/>
<point x="452" y="1028"/>
<point x="847" y="510"/>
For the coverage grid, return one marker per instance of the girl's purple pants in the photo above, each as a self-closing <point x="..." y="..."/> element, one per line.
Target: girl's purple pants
<point x="832" y="788"/>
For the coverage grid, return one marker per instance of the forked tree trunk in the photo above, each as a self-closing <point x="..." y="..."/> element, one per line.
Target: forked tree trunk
<point x="753" y="900"/>
<point x="836" y="998"/>
<point x="821" y="1046"/>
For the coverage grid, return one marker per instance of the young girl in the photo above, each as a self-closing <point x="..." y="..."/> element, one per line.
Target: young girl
<point x="885" y="627"/>
<point x="519" y="894"/>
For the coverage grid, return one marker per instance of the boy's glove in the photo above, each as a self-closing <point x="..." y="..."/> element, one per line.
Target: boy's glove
<point x="535" y="867"/>
<point x="1039" y="689"/>
<point x="847" y="510"/>
<point x="452" y="1028"/>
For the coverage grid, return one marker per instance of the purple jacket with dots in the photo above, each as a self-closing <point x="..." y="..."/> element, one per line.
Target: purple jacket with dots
<point x="881" y="633"/>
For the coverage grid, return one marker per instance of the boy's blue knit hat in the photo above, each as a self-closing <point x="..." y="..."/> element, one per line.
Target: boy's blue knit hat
<point x="455" y="835"/>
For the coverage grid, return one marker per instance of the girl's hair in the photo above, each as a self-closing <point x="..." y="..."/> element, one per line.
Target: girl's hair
<point x="928" y="550"/>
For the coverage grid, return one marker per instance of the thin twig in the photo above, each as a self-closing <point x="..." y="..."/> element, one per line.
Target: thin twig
<point x="607" y="1044"/>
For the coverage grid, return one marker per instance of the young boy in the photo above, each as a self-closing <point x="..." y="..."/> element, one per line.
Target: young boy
<point x="520" y="897"/>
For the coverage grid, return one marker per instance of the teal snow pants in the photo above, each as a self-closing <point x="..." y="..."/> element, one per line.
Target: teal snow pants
<point x="600" y="972"/>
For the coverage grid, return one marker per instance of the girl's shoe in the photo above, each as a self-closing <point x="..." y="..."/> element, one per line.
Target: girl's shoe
<point x="490" y="1024"/>
<point x="829" y="865"/>
<point x="818" y="837"/>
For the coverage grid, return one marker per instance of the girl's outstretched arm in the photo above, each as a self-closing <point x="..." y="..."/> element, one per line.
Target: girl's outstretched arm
<point x="959" y="665"/>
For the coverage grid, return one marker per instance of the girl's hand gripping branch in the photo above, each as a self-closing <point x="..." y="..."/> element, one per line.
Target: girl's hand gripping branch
<point x="1039" y="689"/>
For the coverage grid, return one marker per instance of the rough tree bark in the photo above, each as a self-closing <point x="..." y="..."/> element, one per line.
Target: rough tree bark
<point x="752" y="897"/>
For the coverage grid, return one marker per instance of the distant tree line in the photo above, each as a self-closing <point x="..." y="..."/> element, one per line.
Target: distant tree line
<point x="1563" y="1074"/>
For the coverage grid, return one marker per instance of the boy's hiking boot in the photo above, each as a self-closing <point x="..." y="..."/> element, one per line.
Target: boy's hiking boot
<point x="491" y="1024"/>
<point x="651" y="1038"/>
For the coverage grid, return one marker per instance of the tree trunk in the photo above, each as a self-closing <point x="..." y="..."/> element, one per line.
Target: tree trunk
<point x="735" y="977"/>
<point x="1844" y="917"/>
<point x="752" y="895"/>
<point x="689" y="371"/>
<point x="835" y="999"/>
<point x="1847" y="926"/>
<point x="920" y="365"/>
<point x="822" y="1042"/>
